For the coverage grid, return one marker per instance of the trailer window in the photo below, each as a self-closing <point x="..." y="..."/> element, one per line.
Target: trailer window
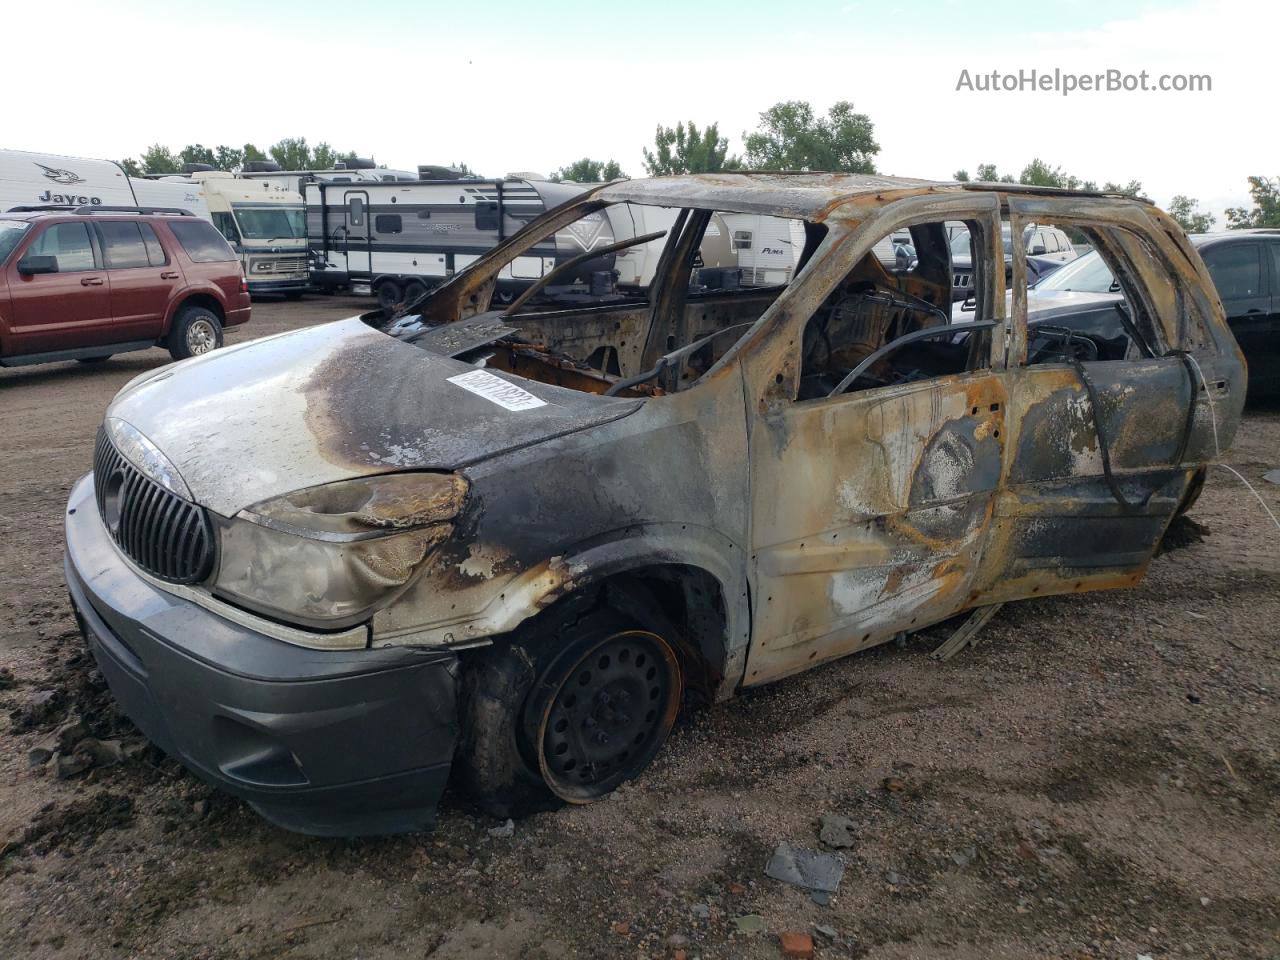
<point x="355" y="211"/>
<point x="742" y="239"/>
<point x="388" y="223"/>
<point x="487" y="215"/>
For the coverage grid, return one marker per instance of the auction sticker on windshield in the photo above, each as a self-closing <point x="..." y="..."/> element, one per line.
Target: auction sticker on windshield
<point x="497" y="390"/>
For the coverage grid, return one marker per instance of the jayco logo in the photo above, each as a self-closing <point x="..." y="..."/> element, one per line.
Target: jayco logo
<point x="68" y="198"/>
<point x="60" y="176"/>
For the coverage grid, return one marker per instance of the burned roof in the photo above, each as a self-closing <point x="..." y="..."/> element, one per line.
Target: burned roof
<point x="803" y="195"/>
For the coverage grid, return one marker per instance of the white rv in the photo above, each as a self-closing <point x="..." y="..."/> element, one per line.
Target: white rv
<point x="396" y="239"/>
<point x="351" y="171"/>
<point x="48" y="180"/>
<point x="265" y="224"/>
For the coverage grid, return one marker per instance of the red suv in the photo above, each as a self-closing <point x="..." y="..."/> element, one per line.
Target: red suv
<point x="85" y="283"/>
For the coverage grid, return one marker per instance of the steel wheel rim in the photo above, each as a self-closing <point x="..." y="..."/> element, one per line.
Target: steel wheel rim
<point x="201" y="337"/>
<point x="627" y="689"/>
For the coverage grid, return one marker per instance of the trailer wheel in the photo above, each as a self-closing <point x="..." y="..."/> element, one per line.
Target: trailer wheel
<point x="389" y="294"/>
<point x="413" y="290"/>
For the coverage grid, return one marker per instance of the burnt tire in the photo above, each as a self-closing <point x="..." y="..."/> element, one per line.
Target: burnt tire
<point x="540" y="700"/>
<point x="195" y="331"/>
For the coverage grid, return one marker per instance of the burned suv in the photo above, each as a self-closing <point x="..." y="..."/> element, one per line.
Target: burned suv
<point x="507" y="544"/>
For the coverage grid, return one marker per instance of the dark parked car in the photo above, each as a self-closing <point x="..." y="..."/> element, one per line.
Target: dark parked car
<point x="87" y="283"/>
<point x="330" y="570"/>
<point x="1047" y="248"/>
<point x="1245" y="267"/>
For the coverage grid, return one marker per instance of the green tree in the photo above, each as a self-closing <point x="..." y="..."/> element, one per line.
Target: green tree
<point x="250" y="152"/>
<point x="160" y="159"/>
<point x="292" y="153"/>
<point x="961" y="176"/>
<point x="131" y="167"/>
<point x="1188" y="215"/>
<point x="198" y="153"/>
<point x="465" y="170"/>
<point x="1131" y="189"/>
<point x="792" y="137"/>
<point x="686" y="149"/>
<point x="323" y="157"/>
<point x="1265" y="192"/>
<point x="228" y="158"/>
<point x="587" y="170"/>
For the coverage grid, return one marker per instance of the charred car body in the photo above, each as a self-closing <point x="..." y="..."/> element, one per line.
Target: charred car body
<point x="507" y="544"/>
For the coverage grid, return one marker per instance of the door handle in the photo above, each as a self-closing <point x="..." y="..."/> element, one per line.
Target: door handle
<point x="90" y="281"/>
<point x="1251" y="311"/>
<point x="169" y="275"/>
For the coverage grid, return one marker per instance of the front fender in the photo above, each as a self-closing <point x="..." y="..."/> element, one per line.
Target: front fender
<point x="497" y="604"/>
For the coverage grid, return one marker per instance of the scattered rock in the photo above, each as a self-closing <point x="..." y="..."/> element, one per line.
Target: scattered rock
<point x="1205" y="901"/>
<point x="42" y="752"/>
<point x="893" y="879"/>
<point x="837" y="832"/>
<point x="677" y="941"/>
<point x="37" y="708"/>
<point x="68" y="765"/>
<point x="701" y="910"/>
<point x="70" y="733"/>
<point x="826" y="933"/>
<point x="1272" y="476"/>
<point x="805" y="868"/>
<point x="752" y="923"/>
<point x="676" y="954"/>
<point x="99" y="753"/>
<point x="962" y="858"/>
<point x="820" y="897"/>
<point x="200" y="808"/>
<point x="622" y="928"/>
<point x="6" y="678"/>
<point x="796" y="944"/>
<point x="507" y="829"/>
<point x="737" y="889"/>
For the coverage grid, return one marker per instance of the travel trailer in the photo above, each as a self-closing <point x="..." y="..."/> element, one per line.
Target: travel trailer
<point x="348" y="171"/>
<point x="29" y="180"/>
<point x="396" y="239"/>
<point x="265" y="224"/>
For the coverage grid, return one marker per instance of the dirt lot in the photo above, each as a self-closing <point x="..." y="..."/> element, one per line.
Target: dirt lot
<point x="1100" y="778"/>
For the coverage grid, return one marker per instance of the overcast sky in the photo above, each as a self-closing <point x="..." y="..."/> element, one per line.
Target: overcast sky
<point x="523" y="86"/>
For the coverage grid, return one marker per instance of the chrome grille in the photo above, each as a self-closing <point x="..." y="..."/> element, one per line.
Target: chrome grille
<point x="167" y="536"/>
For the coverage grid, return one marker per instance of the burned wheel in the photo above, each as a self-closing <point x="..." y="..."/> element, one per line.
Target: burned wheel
<point x="571" y="705"/>
<point x="605" y="713"/>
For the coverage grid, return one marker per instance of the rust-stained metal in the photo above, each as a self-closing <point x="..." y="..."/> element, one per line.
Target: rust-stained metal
<point x="778" y="487"/>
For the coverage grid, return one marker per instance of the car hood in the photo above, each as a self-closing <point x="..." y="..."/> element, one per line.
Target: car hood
<point x="333" y="402"/>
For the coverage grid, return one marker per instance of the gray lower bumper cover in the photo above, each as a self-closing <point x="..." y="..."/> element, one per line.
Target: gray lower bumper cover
<point x="331" y="743"/>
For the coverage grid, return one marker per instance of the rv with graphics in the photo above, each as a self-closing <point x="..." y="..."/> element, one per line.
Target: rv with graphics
<point x="265" y="225"/>
<point x="398" y="239"/>
<point x="347" y="171"/>
<point x="30" y="180"/>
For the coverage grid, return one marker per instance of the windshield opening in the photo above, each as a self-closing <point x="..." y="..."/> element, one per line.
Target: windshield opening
<point x="960" y="242"/>
<point x="628" y="299"/>
<point x="271" y="222"/>
<point x="11" y="232"/>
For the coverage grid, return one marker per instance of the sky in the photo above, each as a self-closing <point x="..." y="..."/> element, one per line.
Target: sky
<point x="507" y="86"/>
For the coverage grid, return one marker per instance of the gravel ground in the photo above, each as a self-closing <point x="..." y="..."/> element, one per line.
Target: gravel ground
<point x="1100" y="778"/>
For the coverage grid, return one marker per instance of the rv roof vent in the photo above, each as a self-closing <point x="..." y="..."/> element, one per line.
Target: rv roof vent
<point x="197" y="167"/>
<point x="357" y="163"/>
<point x="525" y="175"/>
<point x="431" y="171"/>
<point x="261" y="166"/>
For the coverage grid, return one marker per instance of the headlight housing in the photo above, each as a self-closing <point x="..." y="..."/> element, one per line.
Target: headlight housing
<point x="325" y="556"/>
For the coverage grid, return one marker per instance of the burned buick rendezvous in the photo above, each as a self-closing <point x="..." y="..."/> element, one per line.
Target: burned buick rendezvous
<point x="723" y="429"/>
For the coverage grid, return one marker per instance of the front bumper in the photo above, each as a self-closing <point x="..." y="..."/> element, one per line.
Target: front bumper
<point x="333" y="743"/>
<point x="279" y="286"/>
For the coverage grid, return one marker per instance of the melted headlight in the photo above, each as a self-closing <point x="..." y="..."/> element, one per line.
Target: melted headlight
<point x="326" y="555"/>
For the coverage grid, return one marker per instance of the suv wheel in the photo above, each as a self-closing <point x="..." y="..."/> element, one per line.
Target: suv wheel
<point x="196" y="330"/>
<point x="566" y="710"/>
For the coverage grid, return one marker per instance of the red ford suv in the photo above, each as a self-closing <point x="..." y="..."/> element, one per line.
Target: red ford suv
<point x="85" y="283"/>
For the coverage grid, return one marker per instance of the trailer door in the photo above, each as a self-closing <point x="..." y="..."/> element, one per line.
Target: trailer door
<point x="357" y="233"/>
